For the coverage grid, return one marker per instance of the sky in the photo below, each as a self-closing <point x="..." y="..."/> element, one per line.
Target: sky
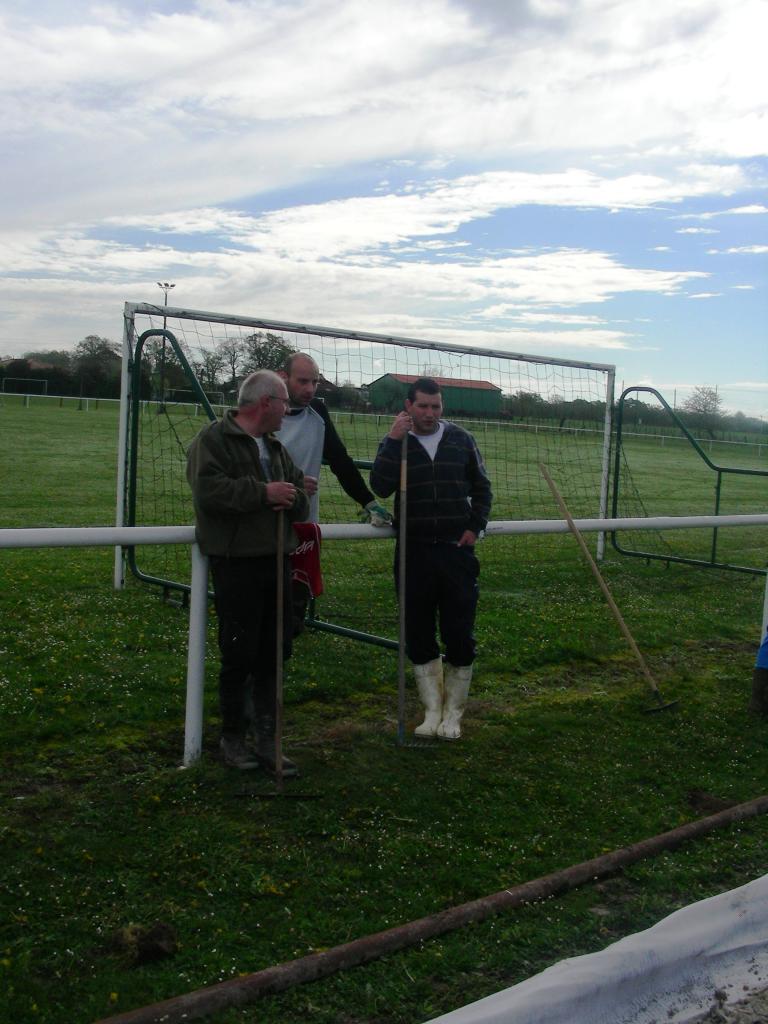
<point x="584" y="179"/>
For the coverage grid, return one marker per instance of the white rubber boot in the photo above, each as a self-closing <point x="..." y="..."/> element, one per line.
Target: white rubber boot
<point x="457" y="680"/>
<point x="429" y="680"/>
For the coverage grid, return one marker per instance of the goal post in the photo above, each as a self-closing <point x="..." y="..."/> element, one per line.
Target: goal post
<point x="24" y="385"/>
<point x="523" y="410"/>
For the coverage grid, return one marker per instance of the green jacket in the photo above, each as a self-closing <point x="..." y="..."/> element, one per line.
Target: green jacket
<point x="230" y="491"/>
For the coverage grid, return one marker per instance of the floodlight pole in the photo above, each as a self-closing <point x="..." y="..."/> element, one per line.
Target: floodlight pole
<point x="166" y="287"/>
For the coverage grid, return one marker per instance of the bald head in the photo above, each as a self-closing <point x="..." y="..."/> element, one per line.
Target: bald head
<point x="301" y="376"/>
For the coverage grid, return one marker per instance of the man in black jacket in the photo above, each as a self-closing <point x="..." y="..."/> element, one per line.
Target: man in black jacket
<point x="310" y="437"/>
<point x="448" y="502"/>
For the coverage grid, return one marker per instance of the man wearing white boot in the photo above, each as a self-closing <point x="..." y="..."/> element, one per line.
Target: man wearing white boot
<point x="448" y="502"/>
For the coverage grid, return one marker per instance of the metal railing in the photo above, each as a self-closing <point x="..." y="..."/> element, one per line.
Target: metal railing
<point x="110" y="536"/>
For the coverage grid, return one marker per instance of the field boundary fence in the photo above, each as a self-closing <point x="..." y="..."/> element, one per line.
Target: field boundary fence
<point x="108" y="536"/>
<point x="622" y="474"/>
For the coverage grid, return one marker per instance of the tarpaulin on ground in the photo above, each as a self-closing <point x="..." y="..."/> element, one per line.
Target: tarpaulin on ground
<point x="668" y="973"/>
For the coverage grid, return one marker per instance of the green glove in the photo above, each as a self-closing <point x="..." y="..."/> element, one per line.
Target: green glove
<point x="377" y="514"/>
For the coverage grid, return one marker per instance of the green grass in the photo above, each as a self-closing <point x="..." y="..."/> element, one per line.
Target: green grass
<point x="100" y="830"/>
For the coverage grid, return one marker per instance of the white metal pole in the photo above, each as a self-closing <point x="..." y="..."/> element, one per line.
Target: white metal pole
<point x="122" y="457"/>
<point x="198" y="627"/>
<point x="606" y="471"/>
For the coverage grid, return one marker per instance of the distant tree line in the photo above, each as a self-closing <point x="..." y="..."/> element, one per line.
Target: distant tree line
<point x="702" y="413"/>
<point x="93" y="369"/>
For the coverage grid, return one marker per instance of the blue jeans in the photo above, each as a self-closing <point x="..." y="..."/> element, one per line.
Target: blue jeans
<point x="762" y="654"/>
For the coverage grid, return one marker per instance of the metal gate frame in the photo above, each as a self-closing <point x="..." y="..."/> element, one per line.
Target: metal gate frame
<point x="712" y="563"/>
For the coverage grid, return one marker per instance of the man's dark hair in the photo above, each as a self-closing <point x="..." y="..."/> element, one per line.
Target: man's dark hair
<point x="426" y="385"/>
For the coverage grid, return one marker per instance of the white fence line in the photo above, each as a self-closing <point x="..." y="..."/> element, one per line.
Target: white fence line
<point x="705" y="442"/>
<point x="129" y="536"/>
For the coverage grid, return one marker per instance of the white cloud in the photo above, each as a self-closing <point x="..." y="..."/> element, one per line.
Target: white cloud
<point x="145" y="108"/>
<point x="740" y="250"/>
<point x="748" y="210"/>
<point x="353" y="225"/>
<point x="737" y="211"/>
<point x="385" y="167"/>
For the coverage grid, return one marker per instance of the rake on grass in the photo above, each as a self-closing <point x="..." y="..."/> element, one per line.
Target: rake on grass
<point x="661" y="704"/>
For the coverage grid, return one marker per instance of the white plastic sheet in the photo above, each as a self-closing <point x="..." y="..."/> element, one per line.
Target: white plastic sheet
<point x="668" y="973"/>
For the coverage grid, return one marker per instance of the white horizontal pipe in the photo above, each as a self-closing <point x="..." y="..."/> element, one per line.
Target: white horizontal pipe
<point x="503" y="527"/>
<point x="98" y="536"/>
<point x="506" y="526"/>
<point x="95" y="536"/>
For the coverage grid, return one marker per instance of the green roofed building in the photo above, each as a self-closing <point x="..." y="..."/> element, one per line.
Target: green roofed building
<point x="460" y="397"/>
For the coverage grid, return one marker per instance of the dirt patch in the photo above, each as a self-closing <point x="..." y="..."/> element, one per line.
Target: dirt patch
<point x="751" y="1010"/>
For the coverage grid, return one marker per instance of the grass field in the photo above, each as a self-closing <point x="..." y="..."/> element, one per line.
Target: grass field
<point x="100" y="830"/>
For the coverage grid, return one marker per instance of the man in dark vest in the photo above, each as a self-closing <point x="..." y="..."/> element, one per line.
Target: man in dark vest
<point x="448" y="502"/>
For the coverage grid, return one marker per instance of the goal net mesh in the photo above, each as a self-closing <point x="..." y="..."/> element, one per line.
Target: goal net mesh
<point x="522" y="412"/>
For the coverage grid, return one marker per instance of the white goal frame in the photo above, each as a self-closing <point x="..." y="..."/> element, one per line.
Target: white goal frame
<point x="25" y="380"/>
<point x="159" y="314"/>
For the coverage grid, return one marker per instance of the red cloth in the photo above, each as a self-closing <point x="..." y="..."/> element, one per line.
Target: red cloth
<point x="305" y="560"/>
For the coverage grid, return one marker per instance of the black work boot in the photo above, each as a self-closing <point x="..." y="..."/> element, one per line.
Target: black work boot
<point x="235" y="753"/>
<point x="264" y="747"/>
<point x="759" y="702"/>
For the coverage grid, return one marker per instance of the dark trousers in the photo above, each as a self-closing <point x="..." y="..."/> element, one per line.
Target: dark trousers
<point x="440" y="588"/>
<point x="300" y="598"/>
<point x="245" y="596"/>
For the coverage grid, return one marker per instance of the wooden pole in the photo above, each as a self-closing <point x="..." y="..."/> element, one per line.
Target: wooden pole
<point x="279" y="640"/>
<point x="243" y="990"/>
<point x="599" y="577"/>
<point x="401" y="570"/>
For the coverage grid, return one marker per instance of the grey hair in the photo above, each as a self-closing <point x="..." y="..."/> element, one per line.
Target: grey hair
<point x="258" y="384"/>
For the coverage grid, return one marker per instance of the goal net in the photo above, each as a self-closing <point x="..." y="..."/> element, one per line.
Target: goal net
<point x="522" y="410"/>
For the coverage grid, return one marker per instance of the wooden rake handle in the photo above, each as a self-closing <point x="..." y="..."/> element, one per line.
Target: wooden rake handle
<point x="279" y="631"/>
<point x="401" y="570"/>
<point x="599" y="577"/>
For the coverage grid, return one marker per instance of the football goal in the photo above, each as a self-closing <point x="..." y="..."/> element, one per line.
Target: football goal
<point x="522" y="409"/>
<point x="24" y="385"/>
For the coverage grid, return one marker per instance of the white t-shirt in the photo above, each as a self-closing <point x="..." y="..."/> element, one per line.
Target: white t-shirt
<point x="303" y="434"/>
<point x="261" y="444"/>
<point x="430" y="442"/>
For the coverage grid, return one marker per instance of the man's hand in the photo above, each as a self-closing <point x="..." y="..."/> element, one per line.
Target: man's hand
<point x="377" y="514"/>
<point x="281" y="494"/>
<point x="401" y="424"/>
<point x="468" y="539"/>
<point x="310" y="485"/>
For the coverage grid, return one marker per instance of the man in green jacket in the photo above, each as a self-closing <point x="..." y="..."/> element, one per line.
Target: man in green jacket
<point x="242" y="480"/>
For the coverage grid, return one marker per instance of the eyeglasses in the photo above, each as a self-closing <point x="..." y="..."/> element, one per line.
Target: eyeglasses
<point x="279" y="398"/>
